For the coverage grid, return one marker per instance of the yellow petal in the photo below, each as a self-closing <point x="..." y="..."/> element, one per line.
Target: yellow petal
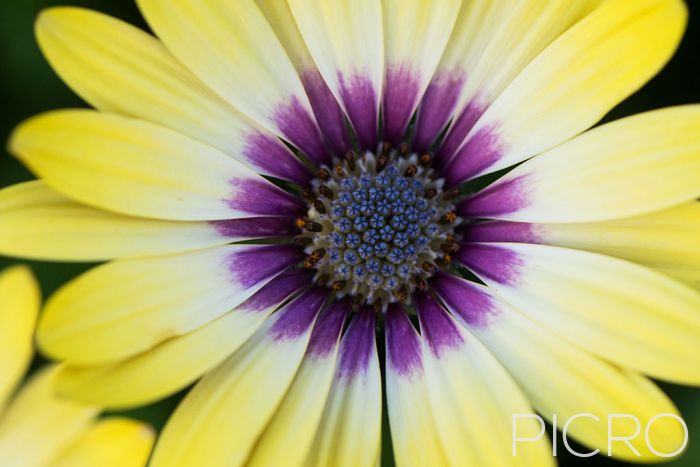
<point x="177" y="362"/>
<point x="232" y="48"/>
<point x="415" y="35"/>
<point x="290" y="434"/>
<point x="492" y="42"/>
<point x="559" y="378"/>
<point x="38" y="425"/>
<point x="125" y="307"/>
<point x="620" y="311"/>
<point x="220" y="420"/>
<point x="136" y="76"/>
<point x="20" y="299"/>
<point x="472" y="398"/>
<point x="113" y="441"/>
<point x="36" y="222"/>
<point x="573" y="83"/>
<point x="349" y="434"/>
<point x="604" y="173"/>
<point x="138" y="168"/>
<point x="345" y="38"/>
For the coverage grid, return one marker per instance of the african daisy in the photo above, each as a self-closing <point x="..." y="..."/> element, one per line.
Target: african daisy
<point x="37" y="427"/>
<point x="285" y="193"/>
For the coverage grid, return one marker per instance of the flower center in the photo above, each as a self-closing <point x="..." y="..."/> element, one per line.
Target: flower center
<point x="378" y="226"/>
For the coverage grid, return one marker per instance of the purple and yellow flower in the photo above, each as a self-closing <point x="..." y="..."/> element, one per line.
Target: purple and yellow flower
<point x="39" y="428"/>
<point x="286" y="195"/>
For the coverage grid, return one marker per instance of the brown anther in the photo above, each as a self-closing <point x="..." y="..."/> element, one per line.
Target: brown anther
<point x="323" y="279"/>
<point x="410" y="171"/>
<point x="319" y="206"/>
<point x="426" y="159"/>
<point x="430" y="193"/>
<point x="386" y="148"/>
<point x="448" y="218"/>
<point x="444" y="261"/>
<point x="309" y="195"/>
<point x="382" y="161"/>
<point x="449" y="247"/>
<point x="450" y="194"/>
<point x="350" y="160"/>
<point x="317" y="254"/>
<point x="421" y="285"/>
<point x="450" y="238"/>
<point x="323" y="174"/>
<point x="402" y="294"/>
<point x="339" y="171"/>
<point x="312" y="226"/>
<point x="357" y="302"/>
<point x="325" y="191"/>
<point x="429" y="267"/>
<point x="404" y="150"/>
<point x="337" y="286"/>
<point x="302" y="241"/>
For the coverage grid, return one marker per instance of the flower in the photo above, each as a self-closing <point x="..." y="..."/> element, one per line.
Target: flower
<point x="37" y="427"/>
<point x="293" y="123"/>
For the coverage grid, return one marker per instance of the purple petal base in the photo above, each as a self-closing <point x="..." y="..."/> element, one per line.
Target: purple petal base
<point x="401" y="88"/>
<point x="360" y="100"/>
<point x="479" y="153"/>
<point x="272" y="157"/>
<point x="436" y="326"/>
<point x="459" y="130"/>
<point x="466" y="300"/>
<point x="301" y="129"/>
<point x="329" y="115"/>
<point x="327" y="330"/>
<point x="501" y="231"/>
<point x="253" y="265"/>
<point x="297" y="317"/>
<point x="263" y="198"/>
<point x="492" y="262"/>
<point x="436" y="108"/>
<point x="256" y="227"/>
<point x="503" y="197"/>
<point x="358" y="347"/>
<point x="402" y="344"/>
<point x="278" y="290"/>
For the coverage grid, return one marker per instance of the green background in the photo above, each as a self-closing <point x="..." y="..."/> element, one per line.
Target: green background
<point x="28" y="86"/>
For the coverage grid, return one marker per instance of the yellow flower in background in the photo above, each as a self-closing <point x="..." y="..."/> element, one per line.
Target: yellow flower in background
<point x="37" y="427"/>
<point x="282" y="191"/>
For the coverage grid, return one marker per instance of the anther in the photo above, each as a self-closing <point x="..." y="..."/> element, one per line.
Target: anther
<point x="404" y="150"/>
<point x="386" y="147"/>
<point x="320" y="206"/>
<point x="350" y="160"/>
<point x="411" y="170"/>
<point x="300" y="222"/>
<point x="444" y="261"/>
<point x="325" y="191"/>
<point x="430" y="193"/>
<point x="448" y="218"/>
<point x="426" y="159"/>
<point x="429" y="267"/>
<point x="314" y="258"/>
<point x="309" y="195"/>
<point x="312" y="226"/>
<point x="323" y="279"/>
<point x="339" y="172"/>
<point x="337" y="286"/>
<point x="402" y="294"/>
<point x="357" y="302"/>
<point x="449" y="247"/>
<point x="323" y="174"/>
<point x="382" y="161"/>
<point x="421" y="285"/>
<point x="450" y="194"/>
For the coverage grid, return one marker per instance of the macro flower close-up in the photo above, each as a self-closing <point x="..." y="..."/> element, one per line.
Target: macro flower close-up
<point x="339" y="227"/>
<point x="38" y="427"/>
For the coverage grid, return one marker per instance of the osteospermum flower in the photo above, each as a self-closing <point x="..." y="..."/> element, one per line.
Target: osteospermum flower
<point x="39" y="428"/>
<point x="348" y="133"/>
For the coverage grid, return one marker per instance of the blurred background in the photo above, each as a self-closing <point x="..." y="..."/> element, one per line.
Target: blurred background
<point x="28" y="86"/>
